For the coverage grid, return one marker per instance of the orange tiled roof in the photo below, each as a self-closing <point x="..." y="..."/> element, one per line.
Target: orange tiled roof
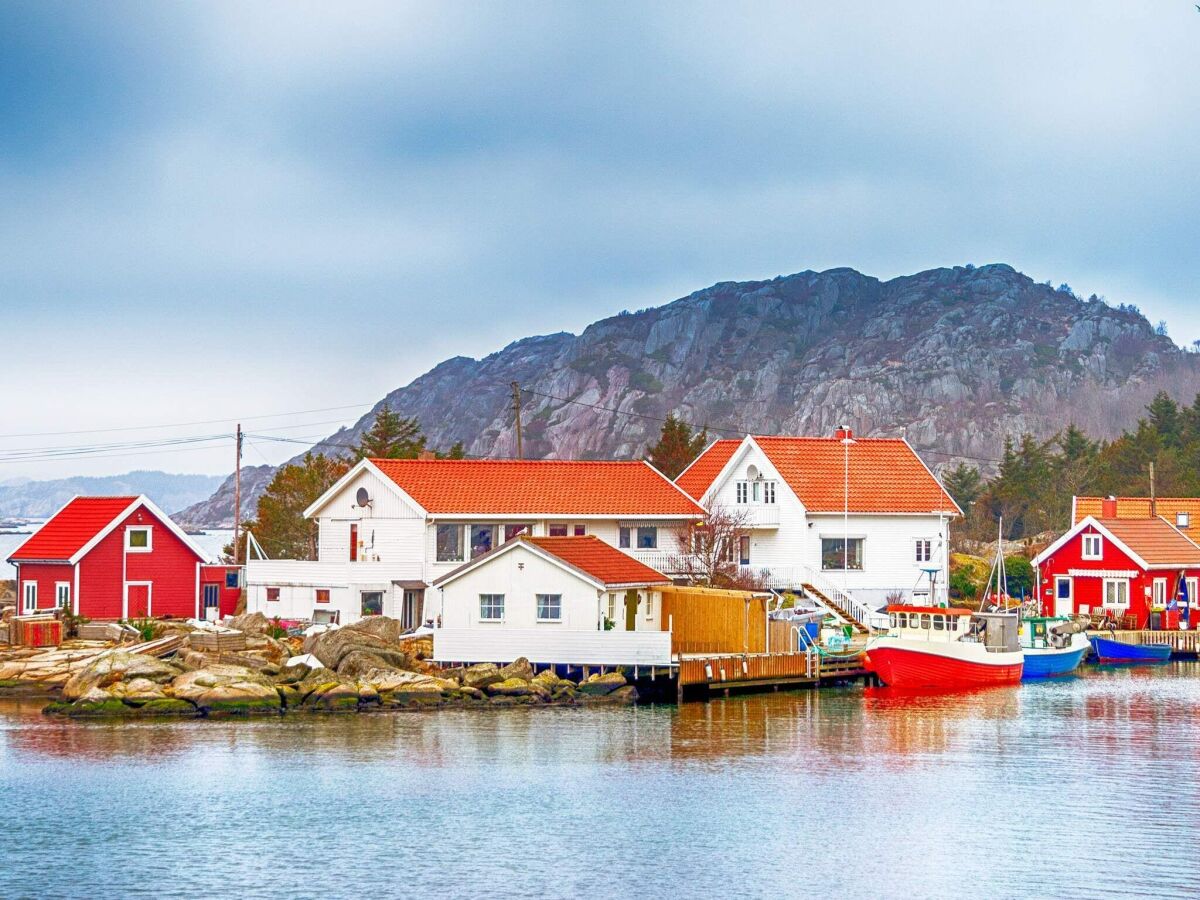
<point x="553" y="487"/>
<point x="699" y="476"/>
<point x="602" y="561"/>
<point x="71" y="528"/>
<point x="1139" y="508"/>
<point x="886" y="475"/>
<point x="1154" y="540"/>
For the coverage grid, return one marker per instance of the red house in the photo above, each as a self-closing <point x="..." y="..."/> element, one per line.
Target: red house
<point x="1123" y="566"/>
<point x="110" y="558"/>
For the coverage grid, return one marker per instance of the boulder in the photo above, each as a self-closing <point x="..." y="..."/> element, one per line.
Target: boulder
<point x="227" y="689"/>
<point x="599" y="685"/>
<point x="518" y="668"/>
<point x="481" y="675"/>
<point x="385" y="628"/>
<point x="110" y="668"/>
<point x="358" y="662"/>
<point x="249" y="623"/>
<point x="510" y="687"/>
<point x="342" y="696"/>
<point x="548" y="679"/>
<point x="332" y="647"/>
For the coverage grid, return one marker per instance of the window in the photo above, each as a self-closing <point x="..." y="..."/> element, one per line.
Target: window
<point x="372" y="603"/>
<point x="744" y="550"/>
<point x="1189" y="585"/>
<point x="233" y="579"/>
<point x="449" y="543"/>
<point x="62" y="594"/>
<point x="30" y="596"/>
<point x="512" y="531"/>
<point x="834" y="555"/>
<point x="483" y="538"/>
<point x="647" y="537"/>
<point x="902" y="620"/>
<point x="137" y="540"/>
<point x="1116" y="592"/>
<point x="623" y="538"/>
<point x="939" y="623"/>
<point x="272" y="593"/>
<point x="1062" y="588"/>
<point x="1093" y="546"/>
<point x="491" y="607"/>
<point x="924" y="550"/>
<point x="1159" y="597"/>
<point x="612" y="608"/>
<point x="649" y="605"/>
<point x="1183" y="520"/>
<point x="558" y="531"/>
<point x="353" y="542"/>
<point x="580" y="531"/>
<point x="322" y="595"/>
<point x="743" y="492"/>
<point x="924" y="621"/>
<point x="549" y="607"/>
<point x="768" y="492"/>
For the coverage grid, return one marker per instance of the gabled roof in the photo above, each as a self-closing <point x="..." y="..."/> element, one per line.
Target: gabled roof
<point x="602" y="564"/>
<point x="885" y="474"/>
<point x="550" y="487"/>
<point x="1140" y="508"/>
<point x="72" y="531"/>
<point x="1152" y="543"/>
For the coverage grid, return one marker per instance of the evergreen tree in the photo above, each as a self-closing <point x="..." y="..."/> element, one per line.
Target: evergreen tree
<point x="391" y="436"/>
<point x="676" y="447"/>
<point x="1165" y="418"/>
<point x="964" y="484"/>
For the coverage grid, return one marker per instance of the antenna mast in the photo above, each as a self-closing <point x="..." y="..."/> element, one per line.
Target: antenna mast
<point x="237" y="494"/>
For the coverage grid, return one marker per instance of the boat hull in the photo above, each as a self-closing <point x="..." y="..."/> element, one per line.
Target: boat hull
<point x="902" y="664"/>
<point x="1108" y="650"/>
<point x="1048" y="663"/>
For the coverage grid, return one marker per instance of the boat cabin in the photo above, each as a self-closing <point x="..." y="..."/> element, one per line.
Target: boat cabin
<point x="929" y="623"/>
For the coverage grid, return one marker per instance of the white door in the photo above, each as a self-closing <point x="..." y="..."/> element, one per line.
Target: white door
<point x="1064" y="596"/>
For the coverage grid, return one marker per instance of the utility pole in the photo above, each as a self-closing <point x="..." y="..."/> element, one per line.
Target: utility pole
<point x="237" y="494"/>
<point x="1153" y="496"/>
<point x="516" y="393"/>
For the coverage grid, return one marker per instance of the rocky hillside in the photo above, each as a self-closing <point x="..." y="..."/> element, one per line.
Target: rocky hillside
<point x="217" y="510"/>
<point x="954" y="359"/>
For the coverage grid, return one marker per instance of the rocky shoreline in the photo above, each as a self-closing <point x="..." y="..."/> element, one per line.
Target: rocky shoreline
<point x="366" y="667"/>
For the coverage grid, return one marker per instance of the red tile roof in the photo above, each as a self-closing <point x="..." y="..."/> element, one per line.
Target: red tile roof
<point x="886" y="475"/>
<point x="71" y="528"/>
<point x="1155" y="540"/>
<point x="1139" y="508"/>
<point x="699" y="476"/>
<point x="602" y="561"/>
<point x="537" y="487"/>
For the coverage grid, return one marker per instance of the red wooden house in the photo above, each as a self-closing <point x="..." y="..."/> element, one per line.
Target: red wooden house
<point x="110" y="558"/>
<point x="1122" y="566"/>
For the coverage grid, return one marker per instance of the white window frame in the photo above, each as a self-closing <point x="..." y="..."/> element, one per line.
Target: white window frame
<point x="743" y="559"/>
<point x="625" y="537"/>
<point x="537" y="608"/>
<point x="742" y="492"/>
<point x="1192" y="585"/>
<point x="1158" y="592"/>
<point x="1092" y="546"/>
<point x="926" y="545"/>
<point x="647" y="528"/>
<point x="649" y="605"/>
<point x="29" y="597"/>
<point x="1183" y="519"/>
<point x="492" y="603"/>
<point x="149" y="548"/>
<point x="1119" y="582"/>
<point x="62" y="594"/>
<point x="449" y="526"/>
<point x="768" y="493"/>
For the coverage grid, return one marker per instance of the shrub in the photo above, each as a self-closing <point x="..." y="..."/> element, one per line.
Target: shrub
<point x="962" y="586"/>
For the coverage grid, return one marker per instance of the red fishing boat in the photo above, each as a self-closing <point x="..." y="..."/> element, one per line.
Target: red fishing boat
<point x="945" y="647"/>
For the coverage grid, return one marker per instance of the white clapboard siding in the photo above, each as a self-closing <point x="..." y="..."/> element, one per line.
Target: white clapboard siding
<point x="552" y="645"/>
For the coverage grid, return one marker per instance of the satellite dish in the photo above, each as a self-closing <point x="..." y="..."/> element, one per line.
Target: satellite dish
<point x="362" y="498"/>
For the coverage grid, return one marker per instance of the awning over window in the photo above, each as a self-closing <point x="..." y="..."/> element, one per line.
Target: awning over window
<point x="411" y="585"/>
<point x="1103" y="573"/>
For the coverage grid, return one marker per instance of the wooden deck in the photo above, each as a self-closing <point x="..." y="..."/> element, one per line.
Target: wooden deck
<point x="706" y="673"/>
<point x="1184" y="644"/>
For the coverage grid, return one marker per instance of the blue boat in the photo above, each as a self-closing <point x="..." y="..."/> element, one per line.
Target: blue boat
<point x="1053" y="645"/>
<point x="1109" y="650"/>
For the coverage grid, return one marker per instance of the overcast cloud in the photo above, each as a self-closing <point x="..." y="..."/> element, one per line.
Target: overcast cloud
<point x="223" y="210"/>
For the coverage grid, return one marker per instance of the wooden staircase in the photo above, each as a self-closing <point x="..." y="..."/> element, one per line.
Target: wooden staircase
<point x="815" y="593"/>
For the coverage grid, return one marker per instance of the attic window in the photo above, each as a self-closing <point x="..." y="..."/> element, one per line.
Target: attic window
<point x="137" y="539"/>
<point x="1183" y="520"/>
<point x="1093" y="546"/>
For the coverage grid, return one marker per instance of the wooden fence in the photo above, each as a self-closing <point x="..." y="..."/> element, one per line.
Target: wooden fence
<point x="708" y="620"/>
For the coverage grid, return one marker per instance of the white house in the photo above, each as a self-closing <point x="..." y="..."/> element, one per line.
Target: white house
<point x="574" y="600"/>
<point x="859" y="518"/>
<point x="389" y="528"/>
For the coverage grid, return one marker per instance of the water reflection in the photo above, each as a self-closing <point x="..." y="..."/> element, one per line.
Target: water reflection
<point x="627" y="802"/>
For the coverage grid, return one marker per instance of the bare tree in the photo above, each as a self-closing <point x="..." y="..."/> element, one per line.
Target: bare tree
<point x="711" y="548"/>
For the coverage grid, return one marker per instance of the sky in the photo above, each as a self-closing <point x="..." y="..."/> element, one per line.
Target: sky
<point x="277" y="213"/>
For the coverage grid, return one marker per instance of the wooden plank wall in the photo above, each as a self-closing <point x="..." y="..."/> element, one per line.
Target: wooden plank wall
<point x="714" y="621"/>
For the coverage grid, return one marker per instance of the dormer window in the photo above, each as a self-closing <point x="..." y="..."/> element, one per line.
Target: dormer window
<point x="1093" y="546"/>
<point x="1183" y="520"/>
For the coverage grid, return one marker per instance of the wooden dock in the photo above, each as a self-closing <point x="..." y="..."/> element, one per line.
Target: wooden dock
<point x="700" y="675"/>
<point x="1184" y="644"/>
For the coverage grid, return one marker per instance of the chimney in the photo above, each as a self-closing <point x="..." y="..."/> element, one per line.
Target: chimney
<point x="843" y="434"/>
<point x="1108" y="508"/>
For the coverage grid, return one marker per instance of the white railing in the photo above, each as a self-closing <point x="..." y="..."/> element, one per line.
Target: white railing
<point x="857" y="610"/>
<point x="551" y="645"/>
<point x="277" y="572"/>
<point x="759" y="515"/>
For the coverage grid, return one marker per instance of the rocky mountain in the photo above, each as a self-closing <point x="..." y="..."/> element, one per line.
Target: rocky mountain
<point x="955" y="359"/>
<point x="25" y="499"/>
<point x="216" y="511"/>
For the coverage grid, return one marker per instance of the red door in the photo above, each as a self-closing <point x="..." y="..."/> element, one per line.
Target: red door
<point x="139" y="601"/>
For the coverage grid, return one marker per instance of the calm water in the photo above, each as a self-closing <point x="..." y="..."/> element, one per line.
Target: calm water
<point x="1079" y="788"/>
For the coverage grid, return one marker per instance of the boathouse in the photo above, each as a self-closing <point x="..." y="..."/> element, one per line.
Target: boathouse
<point x="110" y="558"/>
<point x="1123" y="569"/>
